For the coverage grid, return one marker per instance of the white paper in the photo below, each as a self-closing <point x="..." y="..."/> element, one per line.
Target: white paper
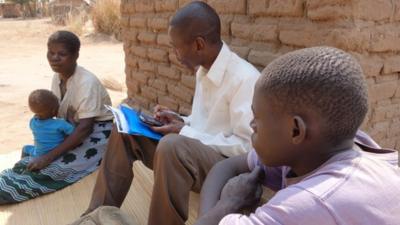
<point x="119" y="119"/>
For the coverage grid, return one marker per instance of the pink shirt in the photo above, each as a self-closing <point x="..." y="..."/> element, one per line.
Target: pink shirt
<point x="351" y="188"/>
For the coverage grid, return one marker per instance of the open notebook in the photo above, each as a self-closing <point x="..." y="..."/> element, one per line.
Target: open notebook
<point x="127" y="121"/>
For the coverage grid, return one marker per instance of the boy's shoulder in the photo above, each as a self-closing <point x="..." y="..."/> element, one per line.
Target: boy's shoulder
<point x="349" y="172"/>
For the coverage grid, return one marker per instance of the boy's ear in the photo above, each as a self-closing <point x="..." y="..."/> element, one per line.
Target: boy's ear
<point x="299" y="130"/>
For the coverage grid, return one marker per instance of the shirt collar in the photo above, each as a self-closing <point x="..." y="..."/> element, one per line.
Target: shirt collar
<point x="217" y="70"/>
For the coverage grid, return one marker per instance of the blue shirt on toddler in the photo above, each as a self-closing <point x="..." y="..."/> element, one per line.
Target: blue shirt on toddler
<point x="47" y="135"/>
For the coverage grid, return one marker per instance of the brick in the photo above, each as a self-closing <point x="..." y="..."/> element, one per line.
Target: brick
<point x="138" y="21"/>
<point x="158" y="84"/>
<point x="257" y="7"/>
<point x="385" y="38"/>
<point x="174" y="60"/>
<point x="382" y="91"/>
<point x="140" y="76"/>
<point x="262" y="58"/>
<point x="330" y="12"/>
<point x="243" y="52"/>
<point x="312" y="4"/>
<point x="169" y="102"/>
<point x="144" y="6"/>
<point x="387" y="78"/>
<point x="141" y="101"/>
<point x="129" y="35"/>
<point x="189" y="81"/>
<point x="391" y="65"/>
<point x="185" y="109"/>
<point x="133" y="87"/>
<point x="229" y="6"/>
<point x="226" y="21"/>
<point x="147" y="37"/>
<point x="166" y="5"/>
<point x="146" y="66"/>
<point x="158" y="24"/>
<point x="149" y="93"/>
<point x="169" y="72"/>
<point x="263" y="32"/>
<point x="285" y="7"/>
<point x="158" y="55"/>
<point x="163" y="39"/>
<point x="183" y="2"/>
<point x="131" y="61"/>
<point x="139" y="51"/>
<point x="371" y="65"/>
<point x="181" y="92"/>
<point x="376" y="10"/>
<point x="125" y="21"/>
<point x="241" y="30"/>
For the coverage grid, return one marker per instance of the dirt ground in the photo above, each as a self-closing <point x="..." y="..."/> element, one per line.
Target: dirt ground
<point x="24" y="67"/>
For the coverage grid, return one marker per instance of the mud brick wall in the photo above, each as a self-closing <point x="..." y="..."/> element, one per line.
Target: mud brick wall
<point x="261" y="30"/>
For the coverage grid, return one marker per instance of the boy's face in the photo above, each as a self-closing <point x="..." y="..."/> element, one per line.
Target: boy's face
<point x="272" y="134"/>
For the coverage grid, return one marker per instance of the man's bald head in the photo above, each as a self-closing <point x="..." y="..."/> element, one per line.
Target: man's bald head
<point x="197" y="19"/>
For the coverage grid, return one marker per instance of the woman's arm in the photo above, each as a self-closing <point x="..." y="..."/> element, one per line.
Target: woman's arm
<point x="81" y="132"/>
<point x="217" y="178"/>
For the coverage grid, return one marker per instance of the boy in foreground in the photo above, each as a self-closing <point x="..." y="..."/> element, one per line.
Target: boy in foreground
<point x="307" y="108"/>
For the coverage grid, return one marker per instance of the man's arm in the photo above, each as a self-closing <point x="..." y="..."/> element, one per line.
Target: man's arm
<point x="218" y="177"/>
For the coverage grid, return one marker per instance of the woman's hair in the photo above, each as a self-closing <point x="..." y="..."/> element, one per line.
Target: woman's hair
<point x="67" y="38"/>
<point x="325" y="80"/>
<point x="43" y="102"/>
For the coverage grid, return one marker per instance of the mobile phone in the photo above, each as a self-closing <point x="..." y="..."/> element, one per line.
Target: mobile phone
<point x="149" y="120"/>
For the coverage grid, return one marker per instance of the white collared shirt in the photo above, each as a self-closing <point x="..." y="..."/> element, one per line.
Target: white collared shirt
<point x="221" y="111"/>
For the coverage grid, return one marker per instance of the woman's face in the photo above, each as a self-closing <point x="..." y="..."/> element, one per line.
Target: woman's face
<point x="60" y="59"/>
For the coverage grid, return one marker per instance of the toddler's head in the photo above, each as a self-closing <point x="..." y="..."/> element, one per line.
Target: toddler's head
<point x="43" y="103"/>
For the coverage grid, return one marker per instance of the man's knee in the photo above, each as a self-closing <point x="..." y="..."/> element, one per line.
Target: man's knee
<point x="169" y="145"/>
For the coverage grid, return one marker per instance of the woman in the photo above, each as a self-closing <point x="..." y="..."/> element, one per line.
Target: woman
<point x="82" y="99"/>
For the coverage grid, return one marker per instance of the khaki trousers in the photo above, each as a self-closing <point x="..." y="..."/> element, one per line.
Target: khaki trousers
<point x="180" y="164"/>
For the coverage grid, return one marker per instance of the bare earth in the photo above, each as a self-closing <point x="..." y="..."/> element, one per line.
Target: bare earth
<point x="23" y="68"/>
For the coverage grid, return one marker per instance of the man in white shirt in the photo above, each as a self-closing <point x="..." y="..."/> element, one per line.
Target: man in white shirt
<point x="217" y="128"/>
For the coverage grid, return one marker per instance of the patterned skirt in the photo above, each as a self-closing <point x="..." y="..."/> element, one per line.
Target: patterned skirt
<point x="18" y="184"/>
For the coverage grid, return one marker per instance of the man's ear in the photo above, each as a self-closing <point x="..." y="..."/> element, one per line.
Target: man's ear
<point x="299" y="130"/>
<point x="200" y="43"/>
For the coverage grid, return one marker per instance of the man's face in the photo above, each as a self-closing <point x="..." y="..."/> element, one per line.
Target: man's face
<point x="185" y="51"/>
<point x="271" y="137"/>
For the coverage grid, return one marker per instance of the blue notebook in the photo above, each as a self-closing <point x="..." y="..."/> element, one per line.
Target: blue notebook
<point x="127" y="121"/>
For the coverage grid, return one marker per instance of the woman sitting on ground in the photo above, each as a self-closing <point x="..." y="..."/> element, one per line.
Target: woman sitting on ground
<point x="82" y="98"/>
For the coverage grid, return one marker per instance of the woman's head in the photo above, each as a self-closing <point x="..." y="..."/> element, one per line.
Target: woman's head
<point x="43" y="103"/>
<point x="63" y="52"/>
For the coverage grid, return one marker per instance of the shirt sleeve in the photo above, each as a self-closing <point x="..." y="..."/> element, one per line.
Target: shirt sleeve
<point x="239" y="141"/>
<point x="67" y="128"/>
<point x="288" y="207"/>
<point x="90" y="103"/>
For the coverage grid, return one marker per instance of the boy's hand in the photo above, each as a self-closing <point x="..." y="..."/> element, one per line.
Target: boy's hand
<point x="39" y="163"/>
<point x="244" y="190"/>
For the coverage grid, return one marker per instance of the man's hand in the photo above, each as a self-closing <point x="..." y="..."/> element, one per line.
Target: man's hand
<point x="39" y="162"/>
<point x="244" y="190"/>
<point x="173" y="123"/>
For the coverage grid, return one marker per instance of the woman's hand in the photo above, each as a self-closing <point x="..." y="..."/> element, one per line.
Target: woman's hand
<point x="39" y="162"/>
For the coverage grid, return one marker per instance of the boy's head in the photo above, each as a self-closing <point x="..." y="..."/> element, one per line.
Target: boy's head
<point x="313" y="98"/>
<point x="43" y="103"/>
